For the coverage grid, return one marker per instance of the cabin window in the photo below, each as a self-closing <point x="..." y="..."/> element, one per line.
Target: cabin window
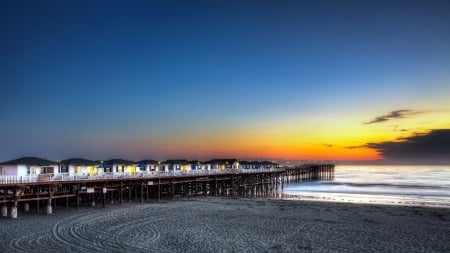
<point x="65" y="169"/>
<point x="47" y="170"/>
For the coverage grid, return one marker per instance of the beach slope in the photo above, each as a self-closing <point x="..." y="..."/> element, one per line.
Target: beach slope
<point x="230" y="225"/>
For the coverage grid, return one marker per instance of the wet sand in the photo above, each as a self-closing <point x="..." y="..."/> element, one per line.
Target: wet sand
<point x="209" y="224"/>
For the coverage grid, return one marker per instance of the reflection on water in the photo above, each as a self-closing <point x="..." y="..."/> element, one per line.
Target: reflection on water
<point x="404" y="185"/>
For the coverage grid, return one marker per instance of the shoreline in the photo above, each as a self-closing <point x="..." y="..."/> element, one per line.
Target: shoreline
<point x="404" y="203"/>
<point x="221" y="224"/>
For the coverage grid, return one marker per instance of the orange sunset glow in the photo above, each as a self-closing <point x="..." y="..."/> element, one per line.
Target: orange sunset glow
<point x="300" y="83"/>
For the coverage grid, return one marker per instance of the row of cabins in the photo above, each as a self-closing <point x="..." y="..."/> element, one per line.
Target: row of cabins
<point x="77" y="166"/>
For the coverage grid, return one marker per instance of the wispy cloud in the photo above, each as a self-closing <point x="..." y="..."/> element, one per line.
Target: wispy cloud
<point x="357" y="147"/>
<point x="328" y="145"/>
<point x="398" y="114"/>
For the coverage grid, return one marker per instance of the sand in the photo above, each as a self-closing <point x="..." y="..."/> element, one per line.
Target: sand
<point x="208" y="224"/>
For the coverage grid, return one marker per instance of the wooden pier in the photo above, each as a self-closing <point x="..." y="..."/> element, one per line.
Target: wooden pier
<point x="48" y="194"/>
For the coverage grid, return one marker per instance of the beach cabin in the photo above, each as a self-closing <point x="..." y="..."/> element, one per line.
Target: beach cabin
<point x="267" y="165"/>
<point x="199" y="165"/>
<point x="246" y="165"/>
<point x="28" y="166"/>
<point x="81" y="166"/>
<point x="223" y="164"/>
<point x="205" y="165"/>
<point x="120" y="166"/>
<point x="257" y="165"/>
<point x="177" y="165"/>
<point x="148" y="165"/>
<point x="195" y="165"/>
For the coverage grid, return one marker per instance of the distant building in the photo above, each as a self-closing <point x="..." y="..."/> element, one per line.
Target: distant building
<point x="25" y="166"/>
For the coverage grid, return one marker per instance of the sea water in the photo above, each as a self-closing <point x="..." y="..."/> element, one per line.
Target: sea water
<point x="401" y="185"/>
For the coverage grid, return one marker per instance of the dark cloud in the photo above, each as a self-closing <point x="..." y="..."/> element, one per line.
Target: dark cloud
<point x="328" y="145"/>
<point x="432" y="146"/>
<point x="398" y="114"/>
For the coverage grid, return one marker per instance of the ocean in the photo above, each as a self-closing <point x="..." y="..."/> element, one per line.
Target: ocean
<point x="398" y="185"/>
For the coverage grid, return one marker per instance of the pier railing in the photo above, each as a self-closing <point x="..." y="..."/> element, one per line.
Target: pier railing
<point x="13" y="179"/>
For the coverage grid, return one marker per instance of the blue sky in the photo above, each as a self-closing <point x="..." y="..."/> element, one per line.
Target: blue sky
<point x="162" y="79"/>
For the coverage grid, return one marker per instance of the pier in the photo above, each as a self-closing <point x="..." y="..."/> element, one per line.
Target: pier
<point x="45" y="193"/>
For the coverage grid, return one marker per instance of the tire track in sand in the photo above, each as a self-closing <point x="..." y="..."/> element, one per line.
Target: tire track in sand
<point x="113" y="231"/>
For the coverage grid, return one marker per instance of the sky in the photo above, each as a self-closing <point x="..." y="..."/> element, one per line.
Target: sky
<point x="293" y="80"/>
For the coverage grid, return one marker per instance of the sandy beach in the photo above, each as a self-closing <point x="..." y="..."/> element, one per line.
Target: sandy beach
<point x="209" y="224"/>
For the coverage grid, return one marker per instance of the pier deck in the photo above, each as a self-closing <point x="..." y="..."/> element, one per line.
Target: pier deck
<point x="49" y="191"/>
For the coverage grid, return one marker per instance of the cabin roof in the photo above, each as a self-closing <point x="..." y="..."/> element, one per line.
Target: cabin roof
<point x="268" y="163"/>
<point x="119" y="161"/>
<point x="79" y="162"/>
<point x="148" y="162"/>
<point x="30" y="161"/>
<point x="176" y="161"/>
<point x="222" y="161"/>
<point x="256" y="163"/>
<point x="82" y="161"/>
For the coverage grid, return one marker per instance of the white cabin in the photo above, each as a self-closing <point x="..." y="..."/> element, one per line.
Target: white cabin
<point x="28" y="166"/>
